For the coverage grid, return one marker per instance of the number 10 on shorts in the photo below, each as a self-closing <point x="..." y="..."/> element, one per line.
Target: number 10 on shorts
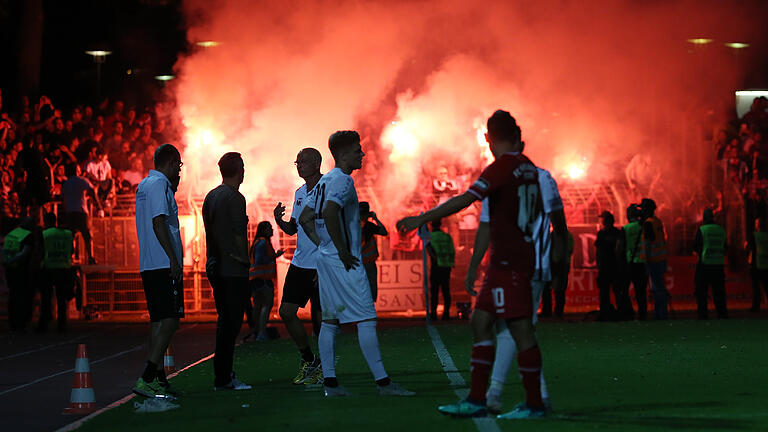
<point x="498" y="299"/>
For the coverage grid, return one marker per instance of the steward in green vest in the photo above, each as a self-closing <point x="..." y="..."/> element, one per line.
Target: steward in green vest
<point x="440" y="248"/>
<point x="16" y="253"/>
<point x="57" y="274"/>
<point x="710" y="270"/>
<point x="637" y="274"/>
<point x="758" y="258"/>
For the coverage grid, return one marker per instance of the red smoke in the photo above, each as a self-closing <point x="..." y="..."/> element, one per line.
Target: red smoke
<point x="591" y="84"/>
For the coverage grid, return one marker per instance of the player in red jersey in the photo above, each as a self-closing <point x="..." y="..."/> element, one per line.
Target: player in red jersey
<point x="511" y="185"/>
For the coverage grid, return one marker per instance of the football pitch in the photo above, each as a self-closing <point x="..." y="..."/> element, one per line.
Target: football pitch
<point x="633" y="376"/>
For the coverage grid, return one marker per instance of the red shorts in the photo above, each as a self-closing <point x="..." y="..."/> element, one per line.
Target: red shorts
<point x="506" y="294"/>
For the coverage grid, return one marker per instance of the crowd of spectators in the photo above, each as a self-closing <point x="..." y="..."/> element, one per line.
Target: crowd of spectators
<point x="111" y="145"/>
<point x="742" y="150"/>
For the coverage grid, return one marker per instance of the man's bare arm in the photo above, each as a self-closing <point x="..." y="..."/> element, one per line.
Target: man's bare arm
<point x="452" y="206"/>
<point x="333" y="225"/>
<point x="163" y="235"/>
<point x="482" y="239"/>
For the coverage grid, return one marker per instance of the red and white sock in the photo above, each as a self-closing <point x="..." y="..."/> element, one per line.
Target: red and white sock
<point x="529" y="363"/>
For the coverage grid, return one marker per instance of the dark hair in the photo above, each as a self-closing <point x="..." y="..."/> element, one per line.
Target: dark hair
<point x="342" y="140"/>
<point x="708" y="217"/>
<point x="164" y="154"/>
<point x="261" y="228"/>
<point x="70" y="170"/>
<point x="502" y="126"/>
<point x="364" y="207"/>
<point x="436" y="224"/>
<point x="312" y="151"/>
<point x="230" y="164"/>
<point x="49" y="219"/>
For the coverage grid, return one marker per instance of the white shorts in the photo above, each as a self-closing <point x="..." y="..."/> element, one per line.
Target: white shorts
<point x="344" y="295"/>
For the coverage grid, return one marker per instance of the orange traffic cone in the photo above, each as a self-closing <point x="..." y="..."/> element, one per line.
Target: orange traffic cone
<point x="82" y="400"/>
<point x="168" y="364"/>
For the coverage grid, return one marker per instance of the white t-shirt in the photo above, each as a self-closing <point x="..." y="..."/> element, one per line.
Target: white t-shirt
<point x="340" y="188"/>
<point x="155" y="197"/>
<point x="99" y="169"/>
<point x="542" y="240"/>
<point x="306" y="251"/>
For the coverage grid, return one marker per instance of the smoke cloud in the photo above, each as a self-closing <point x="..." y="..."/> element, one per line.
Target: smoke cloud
<point x="591" y="84"/>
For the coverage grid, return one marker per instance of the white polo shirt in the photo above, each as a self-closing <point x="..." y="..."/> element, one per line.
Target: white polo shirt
<point x="542" y="240"/>
<point x="155" y="197"/>
<point x="305" y="255"/>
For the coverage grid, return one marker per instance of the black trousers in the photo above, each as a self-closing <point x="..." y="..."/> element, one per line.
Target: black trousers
<point x="638" y="277"/>
<point x="708" y="275"/>
<point x="440" y="280"/>
<point x="613" y="278"/>
<point x="20" y="297"/>
<point x="230" y="295"/>
<point x="759" y="277"/>
<point x="62" y="280"/>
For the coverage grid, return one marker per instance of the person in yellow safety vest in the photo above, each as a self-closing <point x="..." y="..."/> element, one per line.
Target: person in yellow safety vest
<point x="710" y="269"/>
<point x="654" y="243"/>
<point x="17" y="249"/>
<point x="261" y="277"/>
<point x="57" y="272"/>
<point x="440" y="249"/>
<point x="369" y="250"/>
<point x="758" y="259"/>
<point x="637" y="274"/>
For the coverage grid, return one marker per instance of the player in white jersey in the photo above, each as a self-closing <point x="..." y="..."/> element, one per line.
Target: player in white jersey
<point x="301" y="280"/>
<point x="542" y="239"/>
<point x="331" y="219"/>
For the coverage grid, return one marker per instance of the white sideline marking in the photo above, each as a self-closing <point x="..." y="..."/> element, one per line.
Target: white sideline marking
<point x="487" y="424"/>
<point x="77" y="423"/>
<point x="19" y="387"/>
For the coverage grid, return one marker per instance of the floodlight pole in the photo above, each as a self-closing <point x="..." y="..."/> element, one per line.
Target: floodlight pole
<point x="99" y="56"/>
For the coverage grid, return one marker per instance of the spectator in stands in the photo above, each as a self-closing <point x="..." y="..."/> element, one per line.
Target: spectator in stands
<point x="443" y="187"/>
<point x="146" y="140"/>
<point x="75" y="192"/>
<point x="134" y="175"/>
<point x="99" y="172"/>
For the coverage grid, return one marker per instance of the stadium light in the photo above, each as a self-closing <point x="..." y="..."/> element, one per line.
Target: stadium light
<point x="207" y="44"/>
<point x="700" y="41"/>
<point x="737" y="45"/>
<point x="99" y="56"/>
<point x="164" y="77"/>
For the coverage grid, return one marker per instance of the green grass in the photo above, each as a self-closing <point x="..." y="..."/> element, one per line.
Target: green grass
<point x="635" y="376"/>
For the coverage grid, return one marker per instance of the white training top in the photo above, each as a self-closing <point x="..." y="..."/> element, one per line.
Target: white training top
<point x="542" y="240"/>
<point x="155" y="197"/>
<point x="306" y="251"/>
<point x="340" y="188"/>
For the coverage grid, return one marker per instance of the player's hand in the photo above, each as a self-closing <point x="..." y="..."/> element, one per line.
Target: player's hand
<point x="409" y="223"/>
<point x="469" y="281"/>
<point x="175" y="270"/>
<point x="279" y="211"/>
<point x="350" y="261"/>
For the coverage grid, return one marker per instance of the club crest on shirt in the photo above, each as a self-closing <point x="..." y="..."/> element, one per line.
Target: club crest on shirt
<point x="298" y="202"/>
<point x="480" y="184"/>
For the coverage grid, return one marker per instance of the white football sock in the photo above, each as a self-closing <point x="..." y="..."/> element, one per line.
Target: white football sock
<point x="326" y="344"/>
<point x="506" y="350"/>
<point x="369" y="345"/>
<point x="544" y="392"/>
